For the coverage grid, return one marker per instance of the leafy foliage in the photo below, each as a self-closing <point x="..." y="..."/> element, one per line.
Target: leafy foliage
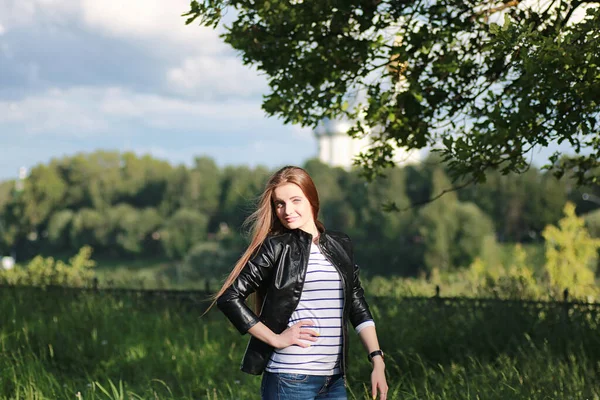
<point x="59" y="227"/>
<point x="452" y="233"/>
<point x="570" y="252"/>
<point x="442" y="73"/>
<point x="47" y="271"/>
<point x="592" y="223"/>
<point x="139" y="208"/>
<point x="208" y="261"/>
<point x="184" y="229"/>
<point x="517" y="280"/>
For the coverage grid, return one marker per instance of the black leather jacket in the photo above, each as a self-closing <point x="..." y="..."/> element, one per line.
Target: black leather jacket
<point x="277" y="271"/>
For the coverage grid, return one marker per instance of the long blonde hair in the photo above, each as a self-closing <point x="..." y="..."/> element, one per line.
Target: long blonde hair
<point x="264" y="221"/>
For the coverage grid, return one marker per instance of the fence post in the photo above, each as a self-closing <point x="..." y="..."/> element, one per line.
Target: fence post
<point x="566" y="303"/>
<point x="437" y="297"/>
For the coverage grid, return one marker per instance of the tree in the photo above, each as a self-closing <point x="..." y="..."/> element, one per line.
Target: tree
<point x="59" y="228"/>
<point x="92" y="180"/>
<point x="519" y="205"/>
<point x="240" y="188"/>
<point x="437" y="226"/>
<point x="204" y="185"/>
<point x="435" y="73"/>
<point x="592" y="223"/>
<point x="144" y="180"/>
<point x="90" y="227"/>
<point x="474" y="231"/>
<point x="132" y="229"/>
<point x="570" y="253"/>
<point x="182" y="231"/>
<point x="6" y="192"/>
<point x="43" y="193"/>
<point x="452" y="233"/>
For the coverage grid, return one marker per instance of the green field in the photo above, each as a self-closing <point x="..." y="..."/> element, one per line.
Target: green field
<point x="60" y="345"/>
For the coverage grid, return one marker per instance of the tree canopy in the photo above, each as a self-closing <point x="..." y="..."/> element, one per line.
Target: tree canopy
<point x="483" y="83"/>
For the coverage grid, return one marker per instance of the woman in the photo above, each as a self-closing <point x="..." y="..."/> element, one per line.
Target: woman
<point x="307" y="287"/>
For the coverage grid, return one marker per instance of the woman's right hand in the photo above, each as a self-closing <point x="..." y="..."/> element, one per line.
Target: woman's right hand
<point x="297" y="334"/>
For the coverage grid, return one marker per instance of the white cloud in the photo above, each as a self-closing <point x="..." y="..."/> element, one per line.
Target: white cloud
<point x="271" y="153"/>
<point x="175" y="113"/>
<point x="153" y="20"/>
<point x="150" y="19"/>
<point x="224" y="154"/>
<point x="212" y="106"/>
<point x="55" y="110"/>
<point x="83" y="111"/>
<point x="16" y="13"/>
<point x="206" y="76"/>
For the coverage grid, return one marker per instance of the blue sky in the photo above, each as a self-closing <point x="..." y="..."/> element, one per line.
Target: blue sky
<point x="82" y="75"/>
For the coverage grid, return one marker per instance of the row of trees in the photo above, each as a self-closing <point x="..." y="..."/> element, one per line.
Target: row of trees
<point x="124" y="205"/>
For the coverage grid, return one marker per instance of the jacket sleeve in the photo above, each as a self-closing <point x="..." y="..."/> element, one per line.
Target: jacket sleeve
<point x="359" y="309"/>
<point x="233" y="301"/>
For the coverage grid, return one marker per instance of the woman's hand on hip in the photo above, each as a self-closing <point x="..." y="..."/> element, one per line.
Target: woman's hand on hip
<point x="297" y="334"/>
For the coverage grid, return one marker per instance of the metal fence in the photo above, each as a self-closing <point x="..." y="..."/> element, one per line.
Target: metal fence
<point x="201" y="298"/>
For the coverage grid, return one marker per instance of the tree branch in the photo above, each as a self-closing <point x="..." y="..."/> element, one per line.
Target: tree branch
<point x="393" y="207"/>
<point x="493" y="10"/>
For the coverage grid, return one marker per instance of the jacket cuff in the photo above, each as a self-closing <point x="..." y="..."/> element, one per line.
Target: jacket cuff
<point x="240" y="315"/>
<point x="363" y="325"/>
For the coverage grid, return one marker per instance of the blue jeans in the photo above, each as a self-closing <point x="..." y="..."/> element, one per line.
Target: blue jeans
<point x="302" y="387"/>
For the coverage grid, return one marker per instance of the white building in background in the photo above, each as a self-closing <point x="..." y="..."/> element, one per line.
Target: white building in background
<point x="7" y="263"/>
<point x="337" y="149"/>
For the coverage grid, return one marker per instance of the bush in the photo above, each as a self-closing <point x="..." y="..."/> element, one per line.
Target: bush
<point x="48" y="272"/>
<point x="208" y="261"/>
<point x="517" y="281"/>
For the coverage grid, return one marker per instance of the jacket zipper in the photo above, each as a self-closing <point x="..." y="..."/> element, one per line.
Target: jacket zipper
<point x="343" y="311"/>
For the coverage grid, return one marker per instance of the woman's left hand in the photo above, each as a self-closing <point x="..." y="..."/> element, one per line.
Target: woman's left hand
<point x="378" y="381"/>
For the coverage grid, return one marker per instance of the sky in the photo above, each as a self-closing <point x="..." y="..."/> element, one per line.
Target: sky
<point x="84" y="75"/>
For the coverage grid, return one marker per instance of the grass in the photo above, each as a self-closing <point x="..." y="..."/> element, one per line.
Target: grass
<point x="55" y="345"/>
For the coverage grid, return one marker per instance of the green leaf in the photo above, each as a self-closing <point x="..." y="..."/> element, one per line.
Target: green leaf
<point x="507" y="22"/>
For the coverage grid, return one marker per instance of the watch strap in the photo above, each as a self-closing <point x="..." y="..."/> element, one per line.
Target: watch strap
<point x="374" y="354"/>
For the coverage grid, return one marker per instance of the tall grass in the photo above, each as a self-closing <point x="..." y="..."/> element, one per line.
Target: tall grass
<point x="55" y="345"/>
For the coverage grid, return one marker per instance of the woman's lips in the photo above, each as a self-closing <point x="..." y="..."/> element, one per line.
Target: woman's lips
<point x="288" y="220"/>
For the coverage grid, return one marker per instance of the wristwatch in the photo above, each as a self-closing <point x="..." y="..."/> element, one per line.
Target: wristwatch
<point x="374" y="354"/>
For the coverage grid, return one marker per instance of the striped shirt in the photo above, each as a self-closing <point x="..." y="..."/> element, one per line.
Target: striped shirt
<point x="322" y="302"/>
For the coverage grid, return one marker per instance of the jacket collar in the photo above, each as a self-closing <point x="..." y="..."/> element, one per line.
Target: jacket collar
<point x="306" y="237"/>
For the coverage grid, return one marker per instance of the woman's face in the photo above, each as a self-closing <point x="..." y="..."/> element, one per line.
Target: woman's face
<point x="293" y="208"/>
